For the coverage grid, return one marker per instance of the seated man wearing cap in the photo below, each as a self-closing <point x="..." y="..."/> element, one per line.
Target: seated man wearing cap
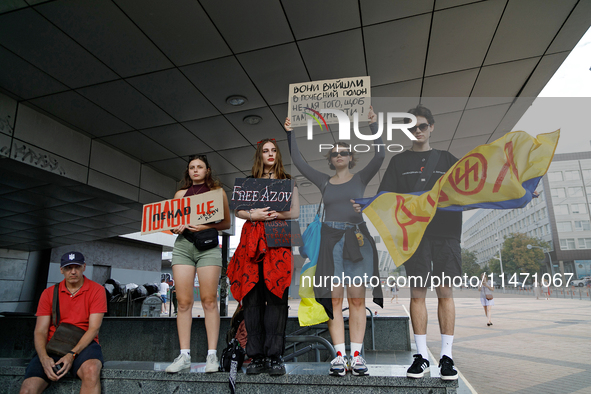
<point x="82" y="303"/>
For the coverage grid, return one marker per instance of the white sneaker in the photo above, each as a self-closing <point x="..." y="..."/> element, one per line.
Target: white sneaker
<point x="183" y="361"/>
<point x="212" y="364"/>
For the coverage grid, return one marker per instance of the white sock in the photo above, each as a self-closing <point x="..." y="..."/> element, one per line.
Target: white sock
<point x="186" y="351"/>
<point x="212" y="351"/>
<point x="355" y="347"/>
<point x="421" y="342"/>
<point x="340" y="348"/>
<point x="446" y="343"/>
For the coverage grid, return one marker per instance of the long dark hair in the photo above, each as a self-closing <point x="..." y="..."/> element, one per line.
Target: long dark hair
<point x="211" y="181"/>
<point x="258" y="166"/>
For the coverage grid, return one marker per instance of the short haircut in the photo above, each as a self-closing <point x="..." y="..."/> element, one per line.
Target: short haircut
<point x="421" y="110"/>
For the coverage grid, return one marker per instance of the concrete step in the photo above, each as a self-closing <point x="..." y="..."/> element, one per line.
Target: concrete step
<point x="149" y="377"/>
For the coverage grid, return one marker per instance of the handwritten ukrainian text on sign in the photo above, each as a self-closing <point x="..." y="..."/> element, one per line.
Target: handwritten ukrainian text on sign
<point x="261" y="193"/>
<point x="199" y="209"/>
<point x="349" y="95"/>
<point x="283" y="233"/>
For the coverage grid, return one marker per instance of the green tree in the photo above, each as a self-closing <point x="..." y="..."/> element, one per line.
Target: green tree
<point x="518" y="258"/>
<point x="469" y="265"/>
<point x="493" y="266"/>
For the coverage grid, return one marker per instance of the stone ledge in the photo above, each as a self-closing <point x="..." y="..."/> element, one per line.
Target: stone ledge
<point x="134" y="381"/>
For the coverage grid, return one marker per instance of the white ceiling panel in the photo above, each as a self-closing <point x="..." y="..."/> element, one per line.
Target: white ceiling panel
<point x="80" y="112"/>
<point x="460" y="36"/>
<point x="240" y="158"/>
<point x="24" y="79"/>
<point x="175" y="94"/>
<point x="455" y="84"/>
<point x="527" y="29"/>
<point x="275" y="67"/>
<point x="378" y="11"/>
<point x="98" y="25"/>
<point x="333" y="56"/>
<point x="573" y="29"/>
<point x="441" y="4"/>
<point x="445" y="126"/>
<point x="123" y="101"/>
<point x="502" y="81"/>
<point x="248" y="25"/>
<point x="36" y="40"/>
<point x="344" y="15"/>
<point x="269" y="127"/>
<point x="139" y="146"/>
<point x="481" y="121"/>
<point x="181" y="29"/>
<point x="515" y="112"/>
<point x="460" y="146"/>
<point x="221" y="78"/>
<point x="402" y="90"/>
<point x="543" y="72"/>
<point x="174" y="168"/>
<point x="177" y="139"/>
<point x="396" y="50"/>
<point x="217" y="132"/>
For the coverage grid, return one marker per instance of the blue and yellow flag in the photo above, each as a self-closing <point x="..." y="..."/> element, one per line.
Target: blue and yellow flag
<point x="500" y="175"/>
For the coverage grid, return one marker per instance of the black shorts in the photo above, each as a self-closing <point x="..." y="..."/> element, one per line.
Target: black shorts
<point x="435" y="256"/>
<point x="92" y="351"/>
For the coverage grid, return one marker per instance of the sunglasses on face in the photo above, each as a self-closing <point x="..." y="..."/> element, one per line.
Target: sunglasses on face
<point x="343" y="153"/>
<point x="422" y="127"/>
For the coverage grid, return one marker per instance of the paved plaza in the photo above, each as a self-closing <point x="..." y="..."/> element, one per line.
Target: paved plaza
<point x="533" y="346"/>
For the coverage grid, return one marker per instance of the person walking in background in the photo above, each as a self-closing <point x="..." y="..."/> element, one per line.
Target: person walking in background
<point x="486" y="297"/>
<point x="260" y="275"/>
<point x="163" y="295"/>
<point x="537" y="289"/>
<point x="188" y="260"/>
<point x="394" y="289"/>
<point x="347" y="249"/>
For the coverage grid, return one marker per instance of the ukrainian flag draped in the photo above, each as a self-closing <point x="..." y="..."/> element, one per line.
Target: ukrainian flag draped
<point x="499" y="175"/>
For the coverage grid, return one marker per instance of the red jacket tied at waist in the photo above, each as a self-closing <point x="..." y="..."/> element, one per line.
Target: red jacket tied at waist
<point x="243" y="269"/>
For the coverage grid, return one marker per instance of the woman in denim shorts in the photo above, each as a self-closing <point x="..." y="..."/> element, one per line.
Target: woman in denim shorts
<point x="188" y="260"/>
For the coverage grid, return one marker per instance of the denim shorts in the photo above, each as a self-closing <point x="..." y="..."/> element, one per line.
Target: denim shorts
<point x="92" y="351"/>
<point x="185" y="253"/>
<point x="346" y="268"/>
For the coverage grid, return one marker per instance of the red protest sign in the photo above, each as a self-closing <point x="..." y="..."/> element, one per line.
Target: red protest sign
<point x="200" y="209"/>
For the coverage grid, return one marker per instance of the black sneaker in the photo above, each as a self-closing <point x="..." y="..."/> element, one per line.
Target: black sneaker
<point x="275" y="366"/>
<point x="418" y="367"/>
<point x="446" y="369"/>
<point x="256" y="366"/>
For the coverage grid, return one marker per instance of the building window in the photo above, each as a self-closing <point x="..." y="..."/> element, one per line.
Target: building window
<point x="575" y="191"/>
<point x="582" y="225"/>
<point x="578" y="208"/>
<point x="555" y="176"/>
<point x="558" y="192"/>
<point x="564" y="227"/>
<point x="587" y="175"/>
<point x="584" y="243"/>
<point x="567" y="244"/>
<point x="561" y="209"/>
<point x="572" y="175"/>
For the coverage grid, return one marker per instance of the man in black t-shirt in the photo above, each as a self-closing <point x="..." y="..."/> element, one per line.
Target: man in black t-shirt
<point x="439" y="252"/>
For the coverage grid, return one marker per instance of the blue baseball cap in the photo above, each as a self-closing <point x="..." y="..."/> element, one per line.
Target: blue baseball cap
<point x="72" y="258"/>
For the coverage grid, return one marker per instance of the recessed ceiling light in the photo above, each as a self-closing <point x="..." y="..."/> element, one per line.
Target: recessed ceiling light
<point x="306" y="184"/>
<point x="252" y="119"/>
<point x="236" y="100"/>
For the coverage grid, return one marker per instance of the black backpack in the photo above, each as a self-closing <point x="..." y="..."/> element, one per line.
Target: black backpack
<point x="233" y="352"/>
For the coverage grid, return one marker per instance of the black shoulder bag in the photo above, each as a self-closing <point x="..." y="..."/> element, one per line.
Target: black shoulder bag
<point x="427" y="171"/>
<point x="66" y="335"/>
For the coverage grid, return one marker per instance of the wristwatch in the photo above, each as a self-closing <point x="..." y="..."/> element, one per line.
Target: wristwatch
<point x="74" y="354"/>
